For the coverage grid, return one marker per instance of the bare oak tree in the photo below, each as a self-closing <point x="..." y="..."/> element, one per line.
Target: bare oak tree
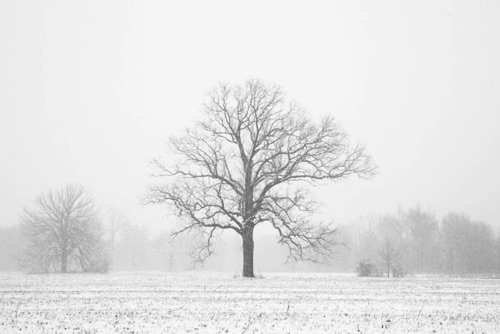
<point x="63" y="230"/>
<point x="248" y="162"/>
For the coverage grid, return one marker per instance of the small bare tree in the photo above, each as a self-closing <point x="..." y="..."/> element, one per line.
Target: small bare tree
<point x="389" y="253"/>
<point x="115" y="227"/>
<point x="63" y="229"/>
<point x="247" y="162"/>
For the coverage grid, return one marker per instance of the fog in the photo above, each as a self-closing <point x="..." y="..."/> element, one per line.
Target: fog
<point x="91" y="92"/>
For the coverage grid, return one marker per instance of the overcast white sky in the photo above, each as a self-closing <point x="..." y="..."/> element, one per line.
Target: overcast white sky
<point x="91" y="91"/>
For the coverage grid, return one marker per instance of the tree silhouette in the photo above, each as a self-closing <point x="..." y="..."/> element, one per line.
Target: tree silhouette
<point x="63" y="229"/>
<point x="250" y="161"/>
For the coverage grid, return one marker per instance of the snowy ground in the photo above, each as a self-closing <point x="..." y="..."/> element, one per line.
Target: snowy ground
<point x="219" y="303"/>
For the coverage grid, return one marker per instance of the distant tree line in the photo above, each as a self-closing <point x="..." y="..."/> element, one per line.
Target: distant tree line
<point x="396" y="244"/>
<point x="415" y="241"/>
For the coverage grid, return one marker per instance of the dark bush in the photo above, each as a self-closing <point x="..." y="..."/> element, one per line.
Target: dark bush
<point x="398" y="271"/>
<point x="367" y="269"/>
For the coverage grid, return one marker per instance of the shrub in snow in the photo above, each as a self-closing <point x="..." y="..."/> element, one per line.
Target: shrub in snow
<point x="367" y="269"/>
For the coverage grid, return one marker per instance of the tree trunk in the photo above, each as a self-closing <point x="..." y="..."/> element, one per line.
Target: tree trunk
<point x="248" y="246"/>
<point x="64" y="263"/>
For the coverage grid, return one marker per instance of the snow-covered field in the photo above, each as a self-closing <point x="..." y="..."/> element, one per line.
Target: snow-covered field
<point x="219" y="303"/>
